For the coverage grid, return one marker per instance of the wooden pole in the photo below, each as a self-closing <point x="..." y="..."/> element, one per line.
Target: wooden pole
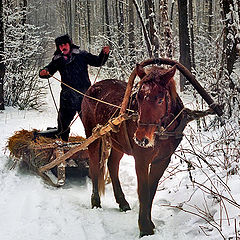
<point x="95" y="135"/>
<point x="217" y="109"/>
<point x="128" y="92"/>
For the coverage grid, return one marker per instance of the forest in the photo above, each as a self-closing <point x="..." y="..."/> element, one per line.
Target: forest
<point x="203" y="35"/>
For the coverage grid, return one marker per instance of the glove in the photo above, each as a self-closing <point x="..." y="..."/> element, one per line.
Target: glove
<point x="44" y="73"/>
<point x="106" y="50"/>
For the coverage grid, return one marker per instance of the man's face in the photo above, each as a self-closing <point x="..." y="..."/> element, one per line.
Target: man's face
<point x="65" y="48"/>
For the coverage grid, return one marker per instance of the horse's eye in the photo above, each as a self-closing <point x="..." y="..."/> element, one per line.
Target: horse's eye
<point x="160" y="101"/>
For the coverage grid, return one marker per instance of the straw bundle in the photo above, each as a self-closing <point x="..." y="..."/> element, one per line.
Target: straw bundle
<point x="25" y="146"/>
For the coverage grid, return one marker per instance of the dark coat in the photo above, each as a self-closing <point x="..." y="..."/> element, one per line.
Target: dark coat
<point x="74" y="72"/>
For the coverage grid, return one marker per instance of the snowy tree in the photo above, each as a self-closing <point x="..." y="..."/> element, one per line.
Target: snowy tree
<point x="231" y="38"/>
<point x="230" y="85"/>
<point x="2" y="65"/>
<point x="131" y="35"/>
<point x="151" y="26"/>
<point x="22" y="56"/>
<point x="190" y="31"/>
<point x="167" y="38"/>
<point x="184" y="40"/>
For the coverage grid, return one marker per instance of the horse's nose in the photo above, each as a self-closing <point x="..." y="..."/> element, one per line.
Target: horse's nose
<point x="142" y="139"/>
<point x="145" y="141"/>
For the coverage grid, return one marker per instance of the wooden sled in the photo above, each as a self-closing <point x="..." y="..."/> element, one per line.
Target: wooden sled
<point x="36" y="152"/>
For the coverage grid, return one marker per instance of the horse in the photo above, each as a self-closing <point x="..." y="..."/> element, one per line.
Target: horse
<point x="158" y="107"/>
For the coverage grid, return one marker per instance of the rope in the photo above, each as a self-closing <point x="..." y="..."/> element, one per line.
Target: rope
<point x="55" y="104"/>
<point x="52" y="95"/>
<point x="85" y="95"/>
<point x="99" y="70"/>
<point x="97" y="74"/>
<point x="163" y="130"/>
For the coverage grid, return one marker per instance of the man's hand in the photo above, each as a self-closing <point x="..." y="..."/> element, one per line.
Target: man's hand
<point x="44" y="73"/>
<point x="106" y="50"/>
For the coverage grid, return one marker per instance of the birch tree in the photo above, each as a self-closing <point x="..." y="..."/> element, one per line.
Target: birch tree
<point x="131" y="37"/>
<point x="167" y="50"/>
<point x="231" y="38"/>
<point x="150" y="26"/>
<point x="22" y="53"/>
<point x="145" y="33"/>
<point x="2" y="66"/>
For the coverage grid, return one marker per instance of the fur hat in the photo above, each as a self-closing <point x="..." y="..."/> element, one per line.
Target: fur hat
<point x="63" y="39"/>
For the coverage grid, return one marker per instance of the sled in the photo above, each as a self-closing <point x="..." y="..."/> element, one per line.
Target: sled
<point x="35" y="150"/>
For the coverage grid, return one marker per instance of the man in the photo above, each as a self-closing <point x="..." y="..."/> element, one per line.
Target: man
<point x="72" y="63"/>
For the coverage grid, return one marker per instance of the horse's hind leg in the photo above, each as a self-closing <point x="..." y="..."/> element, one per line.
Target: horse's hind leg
<point x="113" y="167"/>
<point x="94" y="167"/>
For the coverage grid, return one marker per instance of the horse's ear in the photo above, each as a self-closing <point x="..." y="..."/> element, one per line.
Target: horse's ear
<point x="140" y="71"/>
<point x="167" y="76"/>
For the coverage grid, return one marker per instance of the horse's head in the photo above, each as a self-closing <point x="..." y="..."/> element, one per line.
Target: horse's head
<point x="155" y="97"/>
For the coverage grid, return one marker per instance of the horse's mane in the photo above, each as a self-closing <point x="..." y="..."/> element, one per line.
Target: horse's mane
<point x="155" y="71"/>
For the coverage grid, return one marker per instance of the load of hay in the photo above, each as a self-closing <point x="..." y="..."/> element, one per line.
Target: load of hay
<point x="36" y="151"/>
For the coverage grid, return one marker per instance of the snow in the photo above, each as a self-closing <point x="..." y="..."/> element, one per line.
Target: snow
<point x="31" y="209"/>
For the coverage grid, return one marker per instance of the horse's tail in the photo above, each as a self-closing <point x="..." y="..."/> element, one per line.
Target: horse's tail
<point x="101" y="180"/>
<point x="103" y="177"/>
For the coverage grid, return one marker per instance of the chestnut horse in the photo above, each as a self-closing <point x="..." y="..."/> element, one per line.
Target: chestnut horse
<point x="157" y="105"/>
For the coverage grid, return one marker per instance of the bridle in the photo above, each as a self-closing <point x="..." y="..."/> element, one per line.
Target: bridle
<point x="166" y="115"/>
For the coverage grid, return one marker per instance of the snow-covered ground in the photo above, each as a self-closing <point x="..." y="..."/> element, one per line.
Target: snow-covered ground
<point x="30" y="209"/>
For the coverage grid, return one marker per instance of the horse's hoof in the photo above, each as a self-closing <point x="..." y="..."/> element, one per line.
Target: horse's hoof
<point x="124" y="208"/>
<point x="96" y="202"/>
<point x="146" y="233"/>
<point x="147" y="229"/>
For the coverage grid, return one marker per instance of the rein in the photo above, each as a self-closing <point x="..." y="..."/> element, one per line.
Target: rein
<point x="162" y="131"/>
<point x="54" y="101"/>
<point x="55" y="104"/>
<point x="85" y="95"/>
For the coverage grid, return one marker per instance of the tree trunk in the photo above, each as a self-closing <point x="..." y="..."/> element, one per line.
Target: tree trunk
<point x="168" y="52"/>
<point x="210" y="18"/>
<point x="2" y="65"/>
<point x="89" y="23"/>
<point x="120" y="24"/>
<point x="23" y="6"/>
<point x="191" y="24"/>
<point x="73" y="18"/>
<point x="107" y="22"/>
<point x="171" y="13"/>
<point x="150" y="19"/>
<point x="184" y="41"/>
<point x="131" y="38"/>
<point x="147" y="40"/>
<point x="231" y="38"/>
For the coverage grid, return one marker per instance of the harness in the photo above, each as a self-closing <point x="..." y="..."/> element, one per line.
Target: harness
<point x="162" y="127"/>
<point x="162" y="131"/>
<point x="187" y="115"/>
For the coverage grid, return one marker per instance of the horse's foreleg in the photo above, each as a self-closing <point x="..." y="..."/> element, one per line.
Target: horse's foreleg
<point x="113" y="167"/>
<point x="156" y="171"/>
<point x="145" y="225"/>
<point x="94" y="167"/>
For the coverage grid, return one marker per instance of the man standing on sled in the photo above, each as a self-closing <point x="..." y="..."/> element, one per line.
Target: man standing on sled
<point x="72" y="63"/>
